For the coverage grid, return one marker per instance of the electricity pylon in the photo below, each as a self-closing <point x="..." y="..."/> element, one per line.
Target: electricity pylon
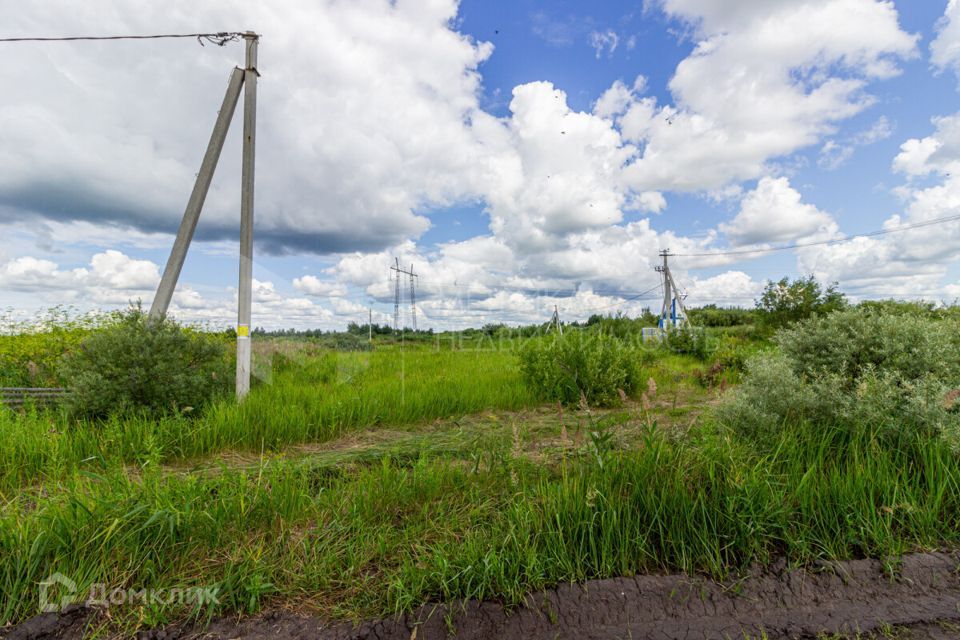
<point x="396" y="299"/>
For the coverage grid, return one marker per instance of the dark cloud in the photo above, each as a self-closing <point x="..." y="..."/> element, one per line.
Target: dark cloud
<point x="66" y="202"/>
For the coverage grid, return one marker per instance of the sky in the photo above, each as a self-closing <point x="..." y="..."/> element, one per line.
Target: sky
<point x="519" y="154"/>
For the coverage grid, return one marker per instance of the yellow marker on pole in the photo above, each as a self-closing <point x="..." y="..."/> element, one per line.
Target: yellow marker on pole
<point x="243" y="331"/>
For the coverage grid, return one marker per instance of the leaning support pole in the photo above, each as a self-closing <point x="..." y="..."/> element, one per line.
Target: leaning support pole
<point x="245" y="297"/>
<point x="161" y="301"/>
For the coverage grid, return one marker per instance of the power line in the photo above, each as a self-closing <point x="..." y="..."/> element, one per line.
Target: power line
<point x="219" y="38"/>
<point x="621" y="302"/>
<point x="799" y="245"/>
<point x="545" y="291"/>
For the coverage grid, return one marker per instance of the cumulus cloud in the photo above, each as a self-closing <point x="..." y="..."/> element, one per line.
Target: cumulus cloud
<point x="370" y="111"/>
<point x="945" y="48"/>
<point x="774" y="212"/>
<point x="370" y="115"/>
<point x="938" y="152"/>
<point x="731" y="288"/>
<point x="314" y="286"/>
<point x="591" y="271"/>
<point x="765" y="79"/>
<point x="111" y="277"/>
<point x="560" y="171"/>
<point x="364" y="116"/>
<point x="912" y="261"/>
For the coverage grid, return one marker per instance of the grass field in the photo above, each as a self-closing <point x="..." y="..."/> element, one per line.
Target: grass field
<point x="364" y="483"/>
<point x="305" y="398"/>
<point x="351" y="536"/>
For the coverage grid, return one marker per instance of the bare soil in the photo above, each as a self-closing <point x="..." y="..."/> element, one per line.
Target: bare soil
<point x="859" y="598"/>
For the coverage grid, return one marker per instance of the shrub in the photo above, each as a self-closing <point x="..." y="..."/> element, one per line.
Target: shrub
<point x="133" y="364"/>
<point x="710" y="377"/>
<point x="348" y="342"/>
<point x="713" y="316"/>
<point x="597" y="365"/>
<point x="31" y="353"/>
<point x="849" y="343"/>
<point x="688" y="340"/>
<point x="621" y="326"/>
<point x="893" y="373"/>
<point x="733" y="351"/>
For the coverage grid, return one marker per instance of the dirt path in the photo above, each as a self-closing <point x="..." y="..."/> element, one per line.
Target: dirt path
<point x="842" y="598"/>
<point x="539" y="431"/>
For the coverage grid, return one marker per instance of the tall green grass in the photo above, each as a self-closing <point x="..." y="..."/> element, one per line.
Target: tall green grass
<point x="311" y="399"/>
<point x="390" y="536"/>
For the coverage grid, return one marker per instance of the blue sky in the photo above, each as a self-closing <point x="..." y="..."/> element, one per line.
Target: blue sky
<point x="506" y="149"/>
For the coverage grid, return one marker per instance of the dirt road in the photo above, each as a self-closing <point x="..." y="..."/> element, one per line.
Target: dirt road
<point x="920" y="600"/>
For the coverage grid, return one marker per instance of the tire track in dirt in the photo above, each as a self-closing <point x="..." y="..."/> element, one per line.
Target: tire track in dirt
<point x="842" y="597"/>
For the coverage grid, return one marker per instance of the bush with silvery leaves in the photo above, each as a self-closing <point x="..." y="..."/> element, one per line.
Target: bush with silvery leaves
<point x="894" y="373"/>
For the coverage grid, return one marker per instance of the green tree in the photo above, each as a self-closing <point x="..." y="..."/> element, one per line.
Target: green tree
<point x="786" y="302"/>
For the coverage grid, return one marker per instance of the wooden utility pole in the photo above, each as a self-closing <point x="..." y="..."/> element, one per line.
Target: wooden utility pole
<point x="161" y="301"/>
<point x="245" y="296"/>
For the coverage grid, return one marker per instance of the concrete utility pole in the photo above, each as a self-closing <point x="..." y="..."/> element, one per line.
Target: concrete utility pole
<point x="161" y="301"/>
<point x="370" y="324"/>
<point x="246" y="214"/>
<point x="667" y="294"/>
<point x="247" y="79"/>
<point x="673" y="313"/>
<point x="555" y="320"/>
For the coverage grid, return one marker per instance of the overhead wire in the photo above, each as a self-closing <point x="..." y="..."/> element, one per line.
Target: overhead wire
<point x="624" y="301"/>
<point x="219" y="38"/>
<point x="800" y="245"/>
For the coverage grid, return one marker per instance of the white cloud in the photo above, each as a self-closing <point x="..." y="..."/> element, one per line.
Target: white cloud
<point x="774" y="212"/>
<point x="118" y="271"/>
<point x="764" y="80"/>
<point x="881" y="129"/>
<point x="945" y="49"/>
<point x="938" y="152"/>
<point x="370" y="114"/>
<point x="731" y="288"/>
<point x="314" y="286"/>
<point x="912" y="261"/>
<point x="186" y="298"/>
<point x="27" y="273"/>
<point x="111" y="278"/>
<point x="605" y="41"/>
<point x="353" y="94"/>
<point x="384" y="93"/>
<point x="560" y="171"/>
<point x="834" y="154"/>
<point x="614" y="100"/>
